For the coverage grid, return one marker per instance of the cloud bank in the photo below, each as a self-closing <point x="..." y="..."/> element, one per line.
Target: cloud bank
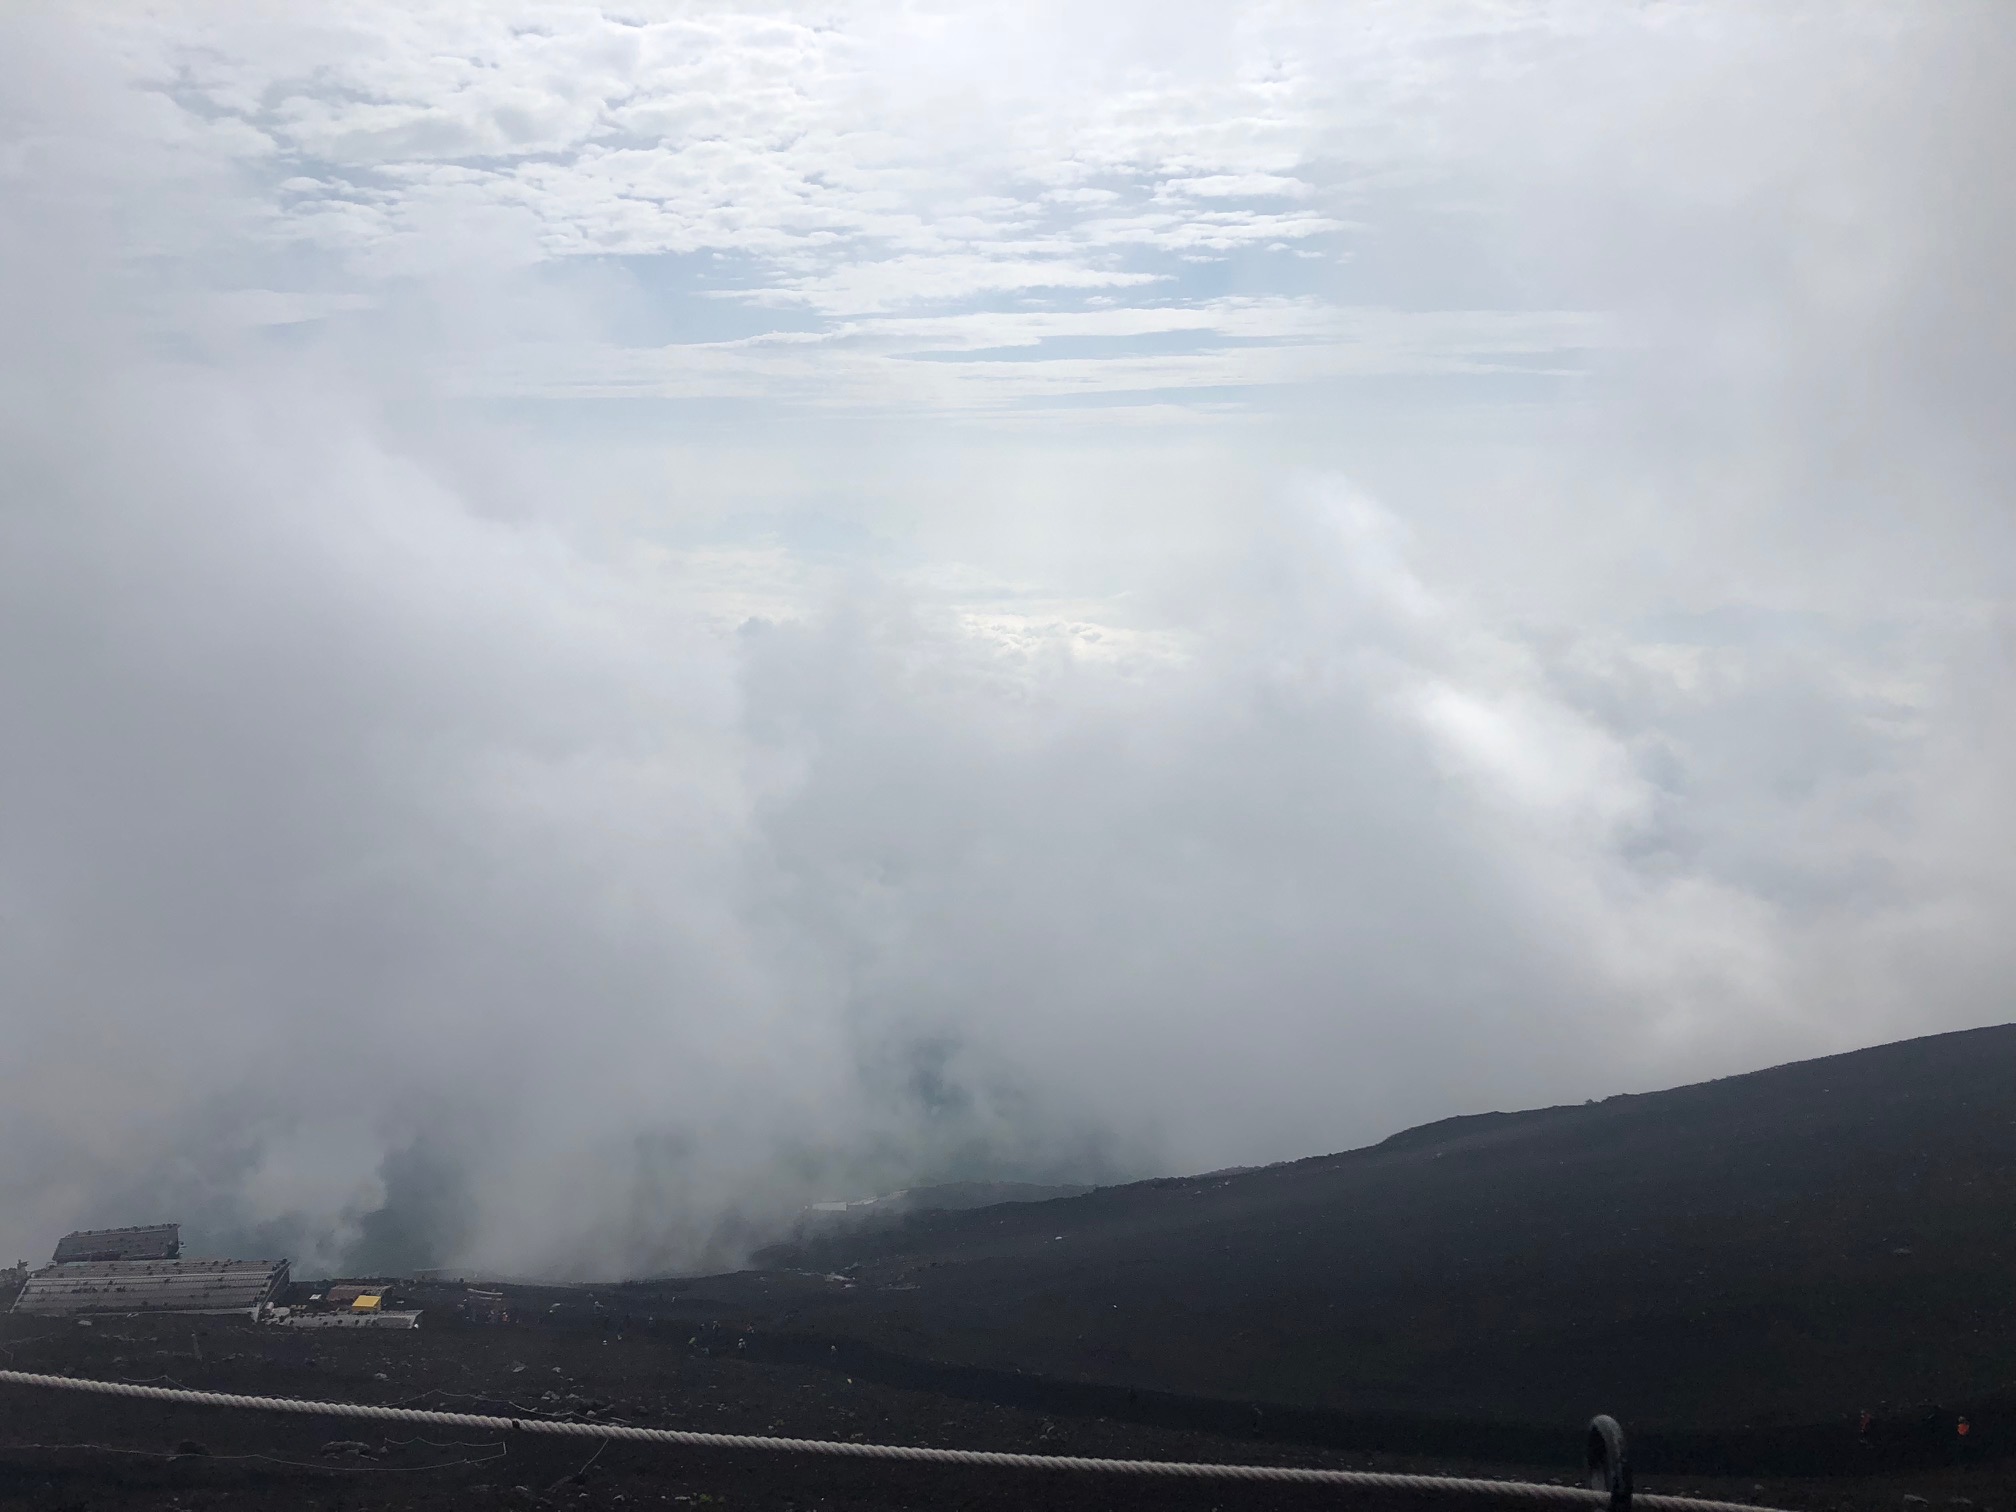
<point x="611" y="625"/>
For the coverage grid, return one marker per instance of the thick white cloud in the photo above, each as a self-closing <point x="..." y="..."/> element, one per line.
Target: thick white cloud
<point x="1048" y="680"/>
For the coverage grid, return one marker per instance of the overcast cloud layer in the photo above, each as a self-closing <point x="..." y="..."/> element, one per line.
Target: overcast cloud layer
<point x="612" y="622"/>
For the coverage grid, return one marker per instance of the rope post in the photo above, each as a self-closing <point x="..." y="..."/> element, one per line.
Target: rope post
<point x="1609" y="1465"/>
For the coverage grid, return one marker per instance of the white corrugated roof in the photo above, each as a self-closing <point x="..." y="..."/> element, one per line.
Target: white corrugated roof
<point x="348" y="1319"/>
<point x="127" y="1286"/>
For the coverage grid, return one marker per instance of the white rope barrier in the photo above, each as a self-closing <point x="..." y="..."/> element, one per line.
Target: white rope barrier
<point x="1368" y="1480"/>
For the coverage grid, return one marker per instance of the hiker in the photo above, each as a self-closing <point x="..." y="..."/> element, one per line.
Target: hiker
<point x="1862" y="1428"/>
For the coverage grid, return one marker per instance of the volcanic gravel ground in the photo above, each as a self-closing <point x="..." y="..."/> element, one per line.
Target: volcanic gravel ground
<point x="63" y="1451"/>
<point x="1737" y="1269"/>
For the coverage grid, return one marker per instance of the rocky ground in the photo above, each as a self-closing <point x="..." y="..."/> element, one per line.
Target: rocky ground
<point x="62" y="1451"/>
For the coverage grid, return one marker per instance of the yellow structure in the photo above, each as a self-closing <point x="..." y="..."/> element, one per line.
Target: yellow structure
<point x="367" y="1303"/>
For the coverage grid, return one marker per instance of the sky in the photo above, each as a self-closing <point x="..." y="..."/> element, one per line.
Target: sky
<point x="617" y="620"/>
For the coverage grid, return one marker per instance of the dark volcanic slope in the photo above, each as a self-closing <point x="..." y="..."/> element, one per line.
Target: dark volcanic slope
<point x="1783" y="1247"/>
